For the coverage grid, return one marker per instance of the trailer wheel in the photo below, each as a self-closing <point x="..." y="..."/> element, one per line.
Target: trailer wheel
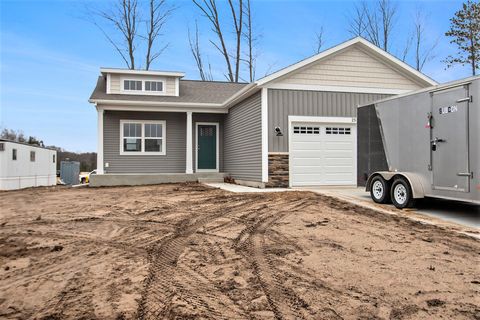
<point x="380" y="190"/>
<point x="401" y="194"/>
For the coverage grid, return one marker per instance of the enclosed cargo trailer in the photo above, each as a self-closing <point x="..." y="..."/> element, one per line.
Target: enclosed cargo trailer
<point x="422" y="144"/>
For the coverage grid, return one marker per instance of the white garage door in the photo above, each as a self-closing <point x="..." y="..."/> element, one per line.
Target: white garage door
<point x="322" y="154"/>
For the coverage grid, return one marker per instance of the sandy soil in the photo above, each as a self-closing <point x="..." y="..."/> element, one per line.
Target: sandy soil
<point x="188" y="251"/>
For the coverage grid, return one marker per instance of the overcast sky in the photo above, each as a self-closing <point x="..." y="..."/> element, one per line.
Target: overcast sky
<point x="50" y="54"/>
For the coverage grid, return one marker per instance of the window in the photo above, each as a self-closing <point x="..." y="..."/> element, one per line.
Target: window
<point x="132" y="85"/>
<point x="306" y="130"/>
<point x="142" y="137"/>
<point x="14" y="154"/>
<point x="153" y="86"/>
<point x="32" y="156"/>
<point x="53" y="158"/>
<point x="333" y="130"/>
<point x="2" y="146"/>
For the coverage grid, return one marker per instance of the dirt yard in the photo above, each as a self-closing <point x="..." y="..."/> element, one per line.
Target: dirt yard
<point x="189" y="251"/>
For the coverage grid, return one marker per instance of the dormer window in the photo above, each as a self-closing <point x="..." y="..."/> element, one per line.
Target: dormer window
<point x="132" y="85"/>
<point x="153" y="86"/>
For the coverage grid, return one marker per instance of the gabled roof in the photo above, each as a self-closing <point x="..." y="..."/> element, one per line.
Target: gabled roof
<point x="368" y="46"/>
<point x="213" y="93"/>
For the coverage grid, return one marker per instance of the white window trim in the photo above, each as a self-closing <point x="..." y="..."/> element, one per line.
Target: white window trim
<point x="143" y="152"/>
<point x="217" y="133"/>
<point x="143" y="91"/>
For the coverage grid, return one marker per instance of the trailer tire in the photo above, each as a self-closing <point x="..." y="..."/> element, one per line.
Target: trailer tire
<point x="380" y="190"/>
<point x="401" y="194"/>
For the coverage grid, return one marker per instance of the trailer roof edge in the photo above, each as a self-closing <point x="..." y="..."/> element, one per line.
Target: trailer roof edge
<point x="438" y="87"/>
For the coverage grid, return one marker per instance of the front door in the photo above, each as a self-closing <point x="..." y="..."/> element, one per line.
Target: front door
<point x="207" y="147"/>
<point x="449" y="140"/>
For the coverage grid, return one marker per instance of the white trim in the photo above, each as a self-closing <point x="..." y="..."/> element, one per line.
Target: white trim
<point x="143" y="152"/>
<point x="160" y="104"/>
<point x="278" y="153"/>
<point x="189" y="151"/>
<point x="142" y="72"/>
<point x="334" y="88"/>
<point x="358" y="40"/>
<point x="162" y="109"/>
<point x="177" y="87"/>
<point x="217" y="133"/>
<point x="109" y="83"/>
<point x="347" y="120"/>
<point x="323" y="120"/>
<point x="264" y="113"/>
<point x="100" y="165"/>
<point x="239" y="95"/>
<point x="143" y="92"/>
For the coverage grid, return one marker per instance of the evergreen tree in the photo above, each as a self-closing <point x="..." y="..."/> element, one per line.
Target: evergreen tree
<point x="465" y="31"/>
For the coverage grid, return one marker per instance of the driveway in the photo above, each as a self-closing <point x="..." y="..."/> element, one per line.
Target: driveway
<point x="462" y="213"/>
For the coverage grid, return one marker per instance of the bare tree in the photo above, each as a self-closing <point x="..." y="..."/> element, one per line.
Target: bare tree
<point x="319" y="40"/>
<point x="357" y="21"/>
<point x="407" y="48"/>
<point x="158" y="15"/>
<point x="205" y="75"/>
<point x="374" y="21"/>
<point x="423" y="53"/>
<point x="210" y="11"/>
<point x="251" y="40"/>
<point x="124" y="17"/>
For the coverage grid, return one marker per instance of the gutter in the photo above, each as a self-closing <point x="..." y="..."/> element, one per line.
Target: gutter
<point x="245" y="92"/>
<point x="155" y="104"/>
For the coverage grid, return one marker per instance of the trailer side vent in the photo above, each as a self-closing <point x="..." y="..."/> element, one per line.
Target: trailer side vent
<point x="2" y="146"/>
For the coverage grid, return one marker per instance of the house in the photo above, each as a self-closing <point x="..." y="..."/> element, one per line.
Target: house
<point x="295" y="127"/>
<point x="23" y="165"/>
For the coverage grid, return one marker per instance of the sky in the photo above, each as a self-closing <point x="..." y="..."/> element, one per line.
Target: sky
<point x="51" y="52"/>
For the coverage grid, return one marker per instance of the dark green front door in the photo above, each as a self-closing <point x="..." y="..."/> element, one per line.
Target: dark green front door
<point x="207" y="147"/>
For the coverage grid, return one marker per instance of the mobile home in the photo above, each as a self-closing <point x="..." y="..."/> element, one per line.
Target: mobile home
<point x="23" y="165"/>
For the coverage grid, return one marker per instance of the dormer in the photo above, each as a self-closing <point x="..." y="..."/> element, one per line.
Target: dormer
<point x="142" y="82"/>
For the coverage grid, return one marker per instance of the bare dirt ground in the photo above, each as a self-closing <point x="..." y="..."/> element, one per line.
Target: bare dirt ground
<point x="189" y="251"/>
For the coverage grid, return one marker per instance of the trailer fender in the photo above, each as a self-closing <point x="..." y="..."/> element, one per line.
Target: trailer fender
<point x="412" y="178"/>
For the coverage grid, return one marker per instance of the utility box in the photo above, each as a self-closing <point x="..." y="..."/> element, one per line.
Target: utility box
<point x="429" y="139"/>
<point x="69" y="172"/>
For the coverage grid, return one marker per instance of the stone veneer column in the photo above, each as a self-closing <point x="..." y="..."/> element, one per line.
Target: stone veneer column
<point x="278" y="174"/>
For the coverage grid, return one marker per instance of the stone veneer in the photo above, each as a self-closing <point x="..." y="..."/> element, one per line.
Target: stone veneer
<point x="277" y="171"/>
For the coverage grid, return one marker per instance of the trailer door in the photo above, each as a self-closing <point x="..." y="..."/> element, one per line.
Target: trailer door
<point x="449" y="140"/>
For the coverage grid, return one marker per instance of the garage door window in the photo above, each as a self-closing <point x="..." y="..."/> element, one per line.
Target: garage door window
<point x="306" y="130"/>
<point x="337" y="130"/>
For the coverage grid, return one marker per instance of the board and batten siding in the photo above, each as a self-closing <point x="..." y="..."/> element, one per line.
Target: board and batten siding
<point x="284" y="103"/>
<point x="172" y="162"/>
<point x="351" y="67"/>
<point x="243" y="140"/>
<point x="115" y="83"/>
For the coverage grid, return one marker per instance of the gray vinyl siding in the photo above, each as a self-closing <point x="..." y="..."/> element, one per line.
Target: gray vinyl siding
<point x="284" y="103"/>
<point x="172" y="162"/>
<point x="243" y="140"/>
<point x="208" y="117"/>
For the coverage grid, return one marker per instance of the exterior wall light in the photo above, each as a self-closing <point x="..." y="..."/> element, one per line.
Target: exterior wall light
<point x="278" y="132"/>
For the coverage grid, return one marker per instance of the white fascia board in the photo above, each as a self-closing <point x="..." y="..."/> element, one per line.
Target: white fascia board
<point x="346" y="120"/>
<point x="159" y="109"/>
<point x="411" y="71"/>
<point x="156" y="104"/>
<point x="240" y="94"/>
<point x="286" y="86"/>
<point x="142" y="72"/>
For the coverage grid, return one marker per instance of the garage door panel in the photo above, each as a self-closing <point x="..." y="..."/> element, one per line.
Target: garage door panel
<point x="324" y="158"/>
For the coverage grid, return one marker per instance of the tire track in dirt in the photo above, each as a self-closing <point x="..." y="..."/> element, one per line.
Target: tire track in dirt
<point x="283" y="302"/>
<point x="160" y="283"/>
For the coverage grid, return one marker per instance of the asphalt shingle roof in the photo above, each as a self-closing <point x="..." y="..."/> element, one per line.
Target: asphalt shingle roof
<point x="191" y="91"/>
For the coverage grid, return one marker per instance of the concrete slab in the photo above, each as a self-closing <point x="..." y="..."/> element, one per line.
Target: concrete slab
<point x="432" y="210"/>
<point x="241" y="189"/>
